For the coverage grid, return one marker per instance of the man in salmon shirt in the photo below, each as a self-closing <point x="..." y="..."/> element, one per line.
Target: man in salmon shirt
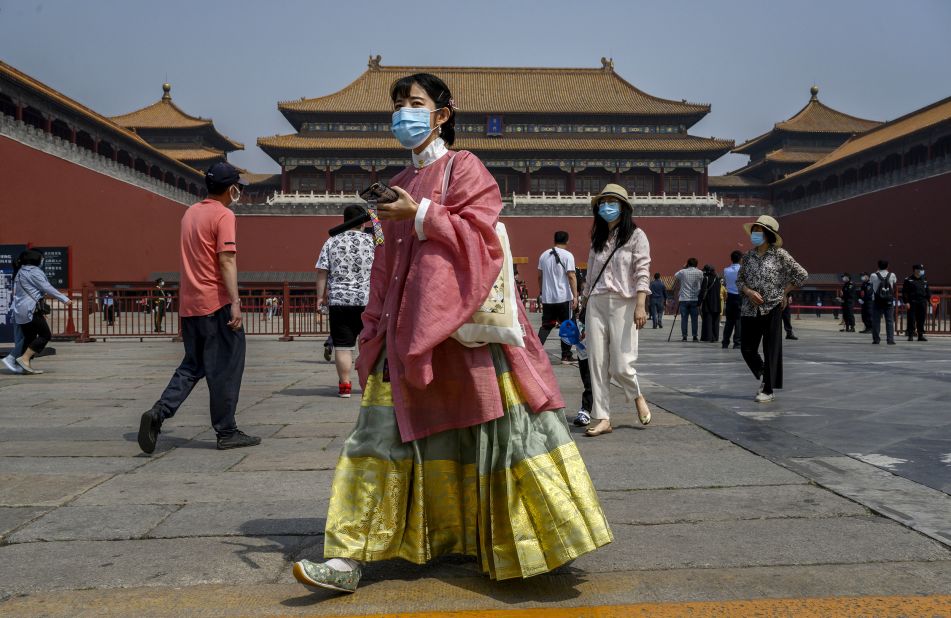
<point x="210" y="310"/>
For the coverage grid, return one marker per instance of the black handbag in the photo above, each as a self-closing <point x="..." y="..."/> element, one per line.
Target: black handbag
<point x="43" y="307"/>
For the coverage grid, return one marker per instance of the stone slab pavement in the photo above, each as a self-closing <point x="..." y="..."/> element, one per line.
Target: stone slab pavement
<point x="90" y="526"/>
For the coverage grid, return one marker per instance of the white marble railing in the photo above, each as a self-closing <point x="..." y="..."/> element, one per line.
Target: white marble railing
<point x="52" y="145"/>
<point x="642" y="199"/>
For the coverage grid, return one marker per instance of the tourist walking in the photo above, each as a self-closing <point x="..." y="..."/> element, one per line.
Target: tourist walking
<point x="658" y="301"/>
<point x="559" y="289"/>
<point x="865" y="300"/>
<point x="109" y="309"/>
<point x="847" y="297"/>
<point x="30" y="287"/>
<point x="343" y="272"/>
<point x="787" y="319"/>
<point x="767" y="274"/>
<point x="615" y="305"/>
<point x="916" y="295"/>
<point x="710" y="305"/>
<point x="10" y="360"/>
<point x="455" y="443"/>
<point x="733" y="303"/>
<point x="883" y="303"/>
<point x="690" y="278"/>
<point x="211" y="318"/>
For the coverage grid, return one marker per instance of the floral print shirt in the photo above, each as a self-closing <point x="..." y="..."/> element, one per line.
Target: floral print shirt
<point x="349" y="259"/>
<point x="768" y="274"/>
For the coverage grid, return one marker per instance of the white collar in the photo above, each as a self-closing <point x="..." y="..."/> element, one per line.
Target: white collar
<point x="430" y="154"/>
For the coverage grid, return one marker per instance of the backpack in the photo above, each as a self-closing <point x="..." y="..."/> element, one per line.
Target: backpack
<point x="885" y="294"/>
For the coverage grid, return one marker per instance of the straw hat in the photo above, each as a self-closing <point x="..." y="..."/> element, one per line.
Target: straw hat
<point x="767" y="223"/>
<point x="612" y="190"/>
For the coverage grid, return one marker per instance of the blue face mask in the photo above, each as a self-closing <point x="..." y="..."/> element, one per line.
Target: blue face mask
<point x="757" y="238"/>
<point x="411" y="126"/>
<point x="921" y="273"/>
<point x="609" y="211"/>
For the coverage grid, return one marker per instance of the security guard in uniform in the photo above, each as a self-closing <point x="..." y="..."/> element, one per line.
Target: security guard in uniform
<point x="866" y="301"/>
<point x="848" y="303"/>
<point x="916" y="294"/>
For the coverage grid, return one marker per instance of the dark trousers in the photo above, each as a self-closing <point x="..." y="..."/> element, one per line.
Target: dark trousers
<point x="554" y="314"/>
<point x="787" y="320"/>
<point x="657" y="312"/>
<point x="688" y="307"/>
<point x="585" y="371"/>
<point x="732" y="325"/>
<point x="848" y="312"/>
<point x="709" y="326"/>
<point x="889" y="313"/>
<point x="769" y="366"/>
<point x="159" y="316"/>
<point x="214" y="352"/>
<point x="867" y="315"/>
<point x="917" y="314"/>
<point x="36" y="333"/>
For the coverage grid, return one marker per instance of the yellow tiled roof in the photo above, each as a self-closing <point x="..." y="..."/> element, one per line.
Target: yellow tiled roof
<point x="682" y="143"/>
<point x="80" y="109"/>
<point x="908" y="124"/>
<point x="193" y="154"/>
<point x="815" y="117"/>
<point x="733" y="180"/>
<point x="505" y="90"/>
<point x="164" y="114"/>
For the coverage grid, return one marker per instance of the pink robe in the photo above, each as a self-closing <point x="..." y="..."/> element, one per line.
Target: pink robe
<point x="422" y="291"/>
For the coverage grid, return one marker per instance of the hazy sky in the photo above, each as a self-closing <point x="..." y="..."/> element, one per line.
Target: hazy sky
<point x="754" y="61"/>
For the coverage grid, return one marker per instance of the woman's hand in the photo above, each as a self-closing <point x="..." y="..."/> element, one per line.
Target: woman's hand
<point x="754" y="297"/>
<point x="400" y="210"/>
<point x="640" y="316"/>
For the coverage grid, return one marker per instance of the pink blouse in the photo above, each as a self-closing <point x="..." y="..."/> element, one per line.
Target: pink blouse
<point x="428" y="278"/>
<point x="628" y="272"/>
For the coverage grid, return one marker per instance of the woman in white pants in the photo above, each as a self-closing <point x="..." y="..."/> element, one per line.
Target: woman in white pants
<point x="617" y="291"/>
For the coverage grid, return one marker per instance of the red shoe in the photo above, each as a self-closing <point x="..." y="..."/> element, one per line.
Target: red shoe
<point x="344" y="390"/>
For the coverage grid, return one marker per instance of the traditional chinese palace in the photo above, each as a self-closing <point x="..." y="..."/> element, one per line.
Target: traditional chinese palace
<point x="113" y="189"/>
<point x="538" y="130"/>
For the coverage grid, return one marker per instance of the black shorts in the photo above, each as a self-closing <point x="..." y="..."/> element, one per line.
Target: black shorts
<point x="346" y="322"/>
<point x="555" y="313"/>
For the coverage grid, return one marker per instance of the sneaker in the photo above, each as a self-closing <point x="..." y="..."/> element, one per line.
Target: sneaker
<point x="792" y="336"/>
<point x="328" y="351"/>
<point x="764" y="398"/>
<point x="684" y="339"/>
<point x="865" y="332"/>
<point x="343" y="390"/>
<point x="567" y="360"/>
<point x="319" y="575"/>
<point x="922" y="338"/>
<point x="696" y="340"/>
<point x="149" y="428"/>
<point x="10" y="363"/>
<point x="237" y="440"/>
<point x="583" y="419"/>
<point x="911" y="338"/>
<point x="892" y="342"/>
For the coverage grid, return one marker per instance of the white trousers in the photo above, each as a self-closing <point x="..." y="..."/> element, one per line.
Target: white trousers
<point x="611" y="338"/>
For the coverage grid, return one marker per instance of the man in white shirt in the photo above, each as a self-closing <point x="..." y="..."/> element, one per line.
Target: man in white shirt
<point x="559" y="289"/>
<point x="883" y="307"/>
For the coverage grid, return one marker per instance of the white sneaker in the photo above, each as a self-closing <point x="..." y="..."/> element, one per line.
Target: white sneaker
<point x="10" y="363"/>
<point x="765" y="398"/>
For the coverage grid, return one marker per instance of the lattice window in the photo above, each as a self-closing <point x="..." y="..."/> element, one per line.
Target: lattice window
<point x="549" y="184"/>
<point x="681" y="184"/>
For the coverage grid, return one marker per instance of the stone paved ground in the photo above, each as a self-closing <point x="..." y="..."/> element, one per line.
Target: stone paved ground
<point x="91" y="527"/>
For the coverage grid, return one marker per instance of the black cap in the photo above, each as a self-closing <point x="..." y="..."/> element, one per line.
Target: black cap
<point x="918" y="267"/>
<point x="223" y="173"/>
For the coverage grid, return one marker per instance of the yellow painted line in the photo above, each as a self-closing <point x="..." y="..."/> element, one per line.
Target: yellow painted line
<point x="934" y="606"/>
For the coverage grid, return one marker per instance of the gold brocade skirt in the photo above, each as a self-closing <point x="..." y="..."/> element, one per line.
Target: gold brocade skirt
<point x="513" y="492"/>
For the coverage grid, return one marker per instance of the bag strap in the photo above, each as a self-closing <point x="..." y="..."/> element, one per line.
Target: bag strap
<point x="554" y="252"/>
<point x="603" y="268"/>
<point x="446" y="175"/>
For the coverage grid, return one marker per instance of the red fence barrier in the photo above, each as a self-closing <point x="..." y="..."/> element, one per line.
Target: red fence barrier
<point x="139" y="312"/>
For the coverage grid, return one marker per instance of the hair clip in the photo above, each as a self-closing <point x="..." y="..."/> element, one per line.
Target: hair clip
<point x="452" y="104"/>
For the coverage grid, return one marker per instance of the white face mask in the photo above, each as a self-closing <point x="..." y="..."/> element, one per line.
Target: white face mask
<point x="235" y="194"/>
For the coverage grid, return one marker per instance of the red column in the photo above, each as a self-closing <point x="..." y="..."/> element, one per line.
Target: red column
<point x="95" y="146"/>
<point x="115" y="154"/>
<point x="373" y="174"/>
<point x="571" y="180"/>
<point x="527" y="181"/>
<point x="284" y="180"/>
<point x="330" y="180"/>
<point x="617" y="175"/>
<point x="660" y="180"/>
<point x="19" y="114"/>
<point x="72" y="135"/>
<point x="49" y="124"/>
<point x="705" y="189"/>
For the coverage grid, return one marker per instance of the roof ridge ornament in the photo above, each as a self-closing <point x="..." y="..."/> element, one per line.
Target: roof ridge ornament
<point x="814" y="91"/>
<point x="374" y="63"/>
<point x="607" y="64"/>
<point x="166" y="91"/>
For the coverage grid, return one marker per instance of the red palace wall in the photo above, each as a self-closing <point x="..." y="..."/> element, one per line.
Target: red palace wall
<point x="904" y="225"/>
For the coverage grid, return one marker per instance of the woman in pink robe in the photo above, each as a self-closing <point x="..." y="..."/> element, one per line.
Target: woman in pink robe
<point x="457" y="449"/>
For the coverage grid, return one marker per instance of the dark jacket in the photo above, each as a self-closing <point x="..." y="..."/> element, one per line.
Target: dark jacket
<point x="915" y="290"/>
<point x="710" y="293"/>
<point x="848" y="293"/>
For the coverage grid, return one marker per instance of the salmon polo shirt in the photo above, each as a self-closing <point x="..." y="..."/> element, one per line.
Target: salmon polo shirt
<point x="208" y="228"/>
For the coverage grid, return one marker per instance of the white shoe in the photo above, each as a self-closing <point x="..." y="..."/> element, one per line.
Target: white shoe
<point x="765" y="398"/>
<point x="10" y="363"/>
<point x="583" y="419"/>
